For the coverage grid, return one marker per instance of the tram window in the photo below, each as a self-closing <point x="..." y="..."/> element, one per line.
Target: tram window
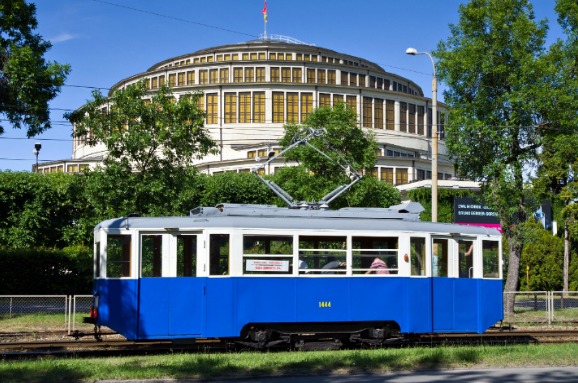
<point x="219" y="254"/>
<point x="97" y="260"/>
<point x="151" y="255"/>
<point x="440" y="257"/>
<point x="491" y="259"/>
<point x="417" y="259"/>
<point x="118" y="256"/>
<point x="375" y="255"/>
<point x="466" y="256"/>
<point x="186" y="255"/>
<point x="322" y="254"/>
<point x="266" y="244"/>
<point x="264" y="254"/>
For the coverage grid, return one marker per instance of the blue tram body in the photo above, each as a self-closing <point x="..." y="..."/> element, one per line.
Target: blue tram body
<point x="223" y="273"/>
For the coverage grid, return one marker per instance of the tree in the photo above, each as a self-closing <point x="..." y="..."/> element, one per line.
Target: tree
<point x="558" y="162"/>
<point x="495" y="81"/>
<point x="542" y="259"/>
<point x="42" y="210"/>
<point x="151" y="140"/>
<point x="316" y="175"/>
<point x="27" y="81"/>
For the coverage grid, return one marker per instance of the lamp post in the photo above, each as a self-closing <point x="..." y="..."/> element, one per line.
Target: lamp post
<point x="434" y="134"/>
<point x="37" y="147"/>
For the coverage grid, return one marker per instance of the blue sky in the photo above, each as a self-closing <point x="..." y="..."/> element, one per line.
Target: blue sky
<point x="106" y="41"/>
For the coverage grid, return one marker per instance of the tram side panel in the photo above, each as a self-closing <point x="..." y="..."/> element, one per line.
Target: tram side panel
<point x="117" y="305"/>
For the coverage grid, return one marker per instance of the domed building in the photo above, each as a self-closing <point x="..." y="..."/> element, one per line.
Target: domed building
<point x="252" y="89"/>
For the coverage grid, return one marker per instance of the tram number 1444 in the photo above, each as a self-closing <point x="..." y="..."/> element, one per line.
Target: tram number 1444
<point x="325" y="304"/>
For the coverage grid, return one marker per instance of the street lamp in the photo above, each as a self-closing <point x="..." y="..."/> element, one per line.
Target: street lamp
<point x="37" y="147"/>
<point x="434" y="154"/>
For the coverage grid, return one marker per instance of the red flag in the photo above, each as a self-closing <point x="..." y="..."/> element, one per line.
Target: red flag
<point x="264" y="11"/>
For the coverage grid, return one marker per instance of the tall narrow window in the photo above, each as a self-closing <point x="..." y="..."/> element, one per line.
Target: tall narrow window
<point x="212" y="108"/>
<point x="352" y="102"/>
<point x="331" y="77"/>
<point x="219" y="254"/>
<point x="191" y="77"/>
<point x="491" y="259"/>
<point x="172" y="79"/>
<point x="237" y="74"/>
<point x="260" y="73"/>
<point x="292" y="107"/>
<point x="367" y="112"/>
<point x="387" y="175"/>
<point x="213" y="73"/>
<point x="118" y="255"/>
<point x="151" y="255"/>
<point x="297" y="75"/>
<point x="378" y="109"/>
<point x="465" y="258"/>
<point x="403" y="116"/>
<point x="230" y="108"/>
<point x="344" y="78"/>
<point x="321" y="76"/>
<point x="420" y="122"/>
<point x="249" y="74"/>
<point x="278" y="107"/>
<point x="245" y="107"/>
<point x="285" y="74"/>
<point x="181" y="79"/>
<point x="337" y="99"/>
<point x="203" y="77"/>
<point x="259" y="107"/>
<point x="186" y="255"/>
<point x="224" y="76"/>
<point x="306" y="105"/>
<point x="401" y="176"/>
<point x="275" y="74"/>
<point x="310" y="76"/>
<point x="324" y="99"/>
<point x="390" y="114"/>
<point x="417" y="256"/>
<point x="440" y="256"/>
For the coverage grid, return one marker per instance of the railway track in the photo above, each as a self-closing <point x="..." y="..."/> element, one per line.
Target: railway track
<point x="24" y="345"/>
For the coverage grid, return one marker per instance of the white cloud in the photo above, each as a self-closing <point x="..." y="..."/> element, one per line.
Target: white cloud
<point x="62" y="37"/>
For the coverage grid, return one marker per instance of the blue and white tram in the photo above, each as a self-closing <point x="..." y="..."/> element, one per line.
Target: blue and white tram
<point x="262" y="273"/>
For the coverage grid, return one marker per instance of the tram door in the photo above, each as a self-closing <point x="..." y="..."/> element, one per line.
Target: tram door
<point x="171" y="301"/>
<point x="454" y="291"/>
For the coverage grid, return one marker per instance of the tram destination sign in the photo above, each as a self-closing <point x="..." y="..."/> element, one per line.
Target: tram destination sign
<point x="470" y="212"/>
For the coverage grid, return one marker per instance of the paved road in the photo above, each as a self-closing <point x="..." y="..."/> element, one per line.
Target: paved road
<point x="499" y="375"/>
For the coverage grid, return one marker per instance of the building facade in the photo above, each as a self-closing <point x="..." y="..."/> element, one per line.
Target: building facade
<point x="252" y="89"/>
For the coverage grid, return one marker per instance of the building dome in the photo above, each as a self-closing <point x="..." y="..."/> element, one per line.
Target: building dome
<point x="252" y="89"/>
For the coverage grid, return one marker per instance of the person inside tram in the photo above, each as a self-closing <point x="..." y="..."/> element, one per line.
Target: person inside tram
<point x="333" y="264"/>
<point x="378" y="266"/>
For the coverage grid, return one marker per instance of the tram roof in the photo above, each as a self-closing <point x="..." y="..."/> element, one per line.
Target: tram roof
<point x="404" y="217"/>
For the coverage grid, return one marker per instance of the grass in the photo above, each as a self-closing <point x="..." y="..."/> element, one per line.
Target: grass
<point x="33" y="322"/>
<point x="253" y="364"/>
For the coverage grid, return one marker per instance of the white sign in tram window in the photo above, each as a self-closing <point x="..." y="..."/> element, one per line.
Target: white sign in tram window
<point x="267" y="265"/>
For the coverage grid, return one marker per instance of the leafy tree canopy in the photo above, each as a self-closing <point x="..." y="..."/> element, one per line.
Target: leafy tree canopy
<point x="493" y="65"/>
<point x="344" y="142"/>
<point x="27" y="81"/>
<point x="143" y="131"/>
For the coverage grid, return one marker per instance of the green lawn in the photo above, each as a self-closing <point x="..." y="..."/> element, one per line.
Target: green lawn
<point x="252" y="364"/>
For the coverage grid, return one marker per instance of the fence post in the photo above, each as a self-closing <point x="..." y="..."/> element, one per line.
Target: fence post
<point x="69" y="298"/>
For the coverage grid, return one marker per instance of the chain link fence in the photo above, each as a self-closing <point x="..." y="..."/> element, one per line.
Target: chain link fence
<point x="29" y="313"/>
<point x="564" y="307"/>
<point x="33" y="313"/>
<point x="529" y="307"/>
